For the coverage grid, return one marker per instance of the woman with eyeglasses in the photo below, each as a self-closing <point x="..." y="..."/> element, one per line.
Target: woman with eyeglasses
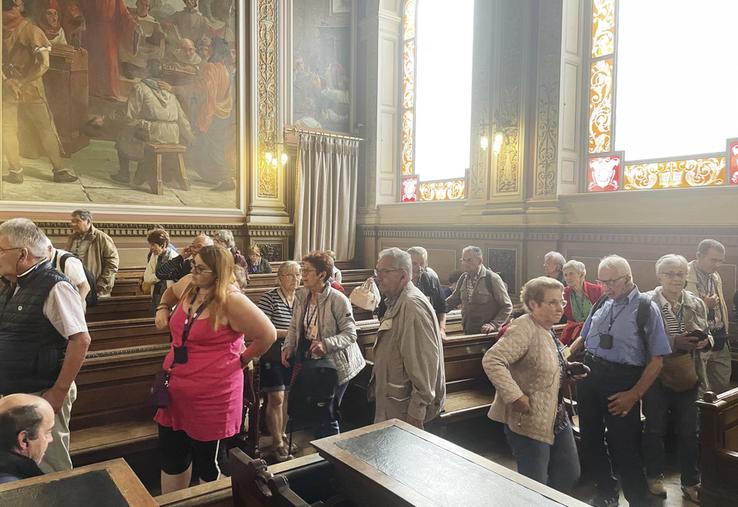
<point x="323" y="326"/>
<point x="204" y="365"/>
<point x="527" y="369"/>
<point x="579" y="295"/>
<point x="673" y="395"/>
<point x="274" y="377"/>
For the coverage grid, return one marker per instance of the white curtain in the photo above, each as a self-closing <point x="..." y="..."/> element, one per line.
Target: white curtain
<point x="325" y="212"/>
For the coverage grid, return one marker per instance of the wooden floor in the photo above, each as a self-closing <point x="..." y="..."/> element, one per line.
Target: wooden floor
<point x="486" y="438"/>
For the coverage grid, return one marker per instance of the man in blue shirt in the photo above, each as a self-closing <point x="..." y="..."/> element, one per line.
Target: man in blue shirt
<point x="623" y="366"/>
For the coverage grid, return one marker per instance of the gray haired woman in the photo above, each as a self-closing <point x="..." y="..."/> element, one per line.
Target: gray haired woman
<point x="673" y="395"/>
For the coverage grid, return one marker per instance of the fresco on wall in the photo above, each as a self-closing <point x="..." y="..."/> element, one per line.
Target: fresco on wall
<point x="121" y="102"/>
<point x="321" y="64"/>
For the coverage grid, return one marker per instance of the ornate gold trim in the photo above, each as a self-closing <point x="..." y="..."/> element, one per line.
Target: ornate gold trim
<point x="267" y="25"/>
<point x="139" y="229"/>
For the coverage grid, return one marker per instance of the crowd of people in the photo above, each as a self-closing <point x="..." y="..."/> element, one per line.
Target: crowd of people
<point x="623" y="351"/>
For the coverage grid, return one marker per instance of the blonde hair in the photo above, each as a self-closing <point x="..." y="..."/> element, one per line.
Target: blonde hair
<point x="220" y="261"/>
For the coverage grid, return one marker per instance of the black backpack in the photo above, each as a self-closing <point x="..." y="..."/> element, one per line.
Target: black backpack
<point x="312" y="396"/>
<point x="91" y="298"/>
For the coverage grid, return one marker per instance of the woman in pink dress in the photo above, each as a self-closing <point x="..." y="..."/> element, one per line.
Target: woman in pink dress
<point x="205" y="362"/>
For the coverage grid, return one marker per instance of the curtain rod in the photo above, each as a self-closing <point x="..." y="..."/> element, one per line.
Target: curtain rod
<point x="324" y="133"/>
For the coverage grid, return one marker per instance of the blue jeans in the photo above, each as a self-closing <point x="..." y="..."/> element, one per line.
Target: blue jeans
<point x="556" y="465"/>
<point x="660" y="404"/>
<point x="331" y="427"/>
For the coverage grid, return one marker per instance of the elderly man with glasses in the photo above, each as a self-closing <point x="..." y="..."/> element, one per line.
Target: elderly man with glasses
<point x="181" y="265"/>
<point x="43" y="333"/>
<point x="704" y="281"/>
<point x="486" y="304"/>
<point x="625" y="341"/>
<point x="408" y="376"/>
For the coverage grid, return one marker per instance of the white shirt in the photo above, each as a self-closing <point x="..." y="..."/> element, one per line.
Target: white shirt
<point x="73" y="268"/>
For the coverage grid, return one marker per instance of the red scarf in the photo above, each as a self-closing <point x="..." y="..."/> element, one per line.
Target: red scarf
<point x="11" y="21"/>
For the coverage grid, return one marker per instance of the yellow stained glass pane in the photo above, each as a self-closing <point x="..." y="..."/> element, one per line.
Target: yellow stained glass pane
<point x="445" y="190"/>
<point x="408" y="75"/>
<point x="603" y="28"/>
<point x="407" y="142"/>
<point x="699" y="172"/>
<point x="408" y="20"/>
<point x="600" y="106"/>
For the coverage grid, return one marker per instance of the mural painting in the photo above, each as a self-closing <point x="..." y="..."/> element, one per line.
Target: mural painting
<point x="120" y="102"/>
<point x="321" y="64"/>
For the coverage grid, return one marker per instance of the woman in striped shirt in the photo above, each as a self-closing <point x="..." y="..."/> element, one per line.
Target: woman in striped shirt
<point x="275" y="377"/>
<point x="674" y="394"/>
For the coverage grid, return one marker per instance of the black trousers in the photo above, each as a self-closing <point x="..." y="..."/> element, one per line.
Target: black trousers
<point x="623" y="433"/>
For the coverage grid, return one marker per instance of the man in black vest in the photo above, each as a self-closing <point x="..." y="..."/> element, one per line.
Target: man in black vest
<point x="43" y="333"/>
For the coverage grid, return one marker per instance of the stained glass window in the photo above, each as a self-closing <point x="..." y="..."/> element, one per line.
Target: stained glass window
<point x="434" y="156"/>
<point x="646" y="67"/>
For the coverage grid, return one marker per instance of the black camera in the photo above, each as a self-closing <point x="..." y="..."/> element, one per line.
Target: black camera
<point x="700" y="335"/>
<point x="180" y="355"/>
<point x="573" y="369"/>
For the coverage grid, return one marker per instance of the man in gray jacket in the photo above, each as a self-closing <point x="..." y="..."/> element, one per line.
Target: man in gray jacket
<point x="486" y="306"/>
<point x="409" y="381"/>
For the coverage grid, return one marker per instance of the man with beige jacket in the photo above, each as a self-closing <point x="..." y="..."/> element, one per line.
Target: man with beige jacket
<point x="408" y="377"/>
<point x="95" y="249"/>
<point x="704" y="281"/>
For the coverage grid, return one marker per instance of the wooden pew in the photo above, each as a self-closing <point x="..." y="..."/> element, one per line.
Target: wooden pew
<point x="719" y="448"/>
<point x="117" y="334"/>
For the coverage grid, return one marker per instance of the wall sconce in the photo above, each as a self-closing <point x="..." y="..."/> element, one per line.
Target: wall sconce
<point x="497" y="143"/>
<point x="276" y="159"/>
<point x="483" y="136"/>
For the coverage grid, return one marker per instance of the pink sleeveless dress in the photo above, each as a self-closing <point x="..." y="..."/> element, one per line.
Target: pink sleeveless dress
<point x="206" y="393"/>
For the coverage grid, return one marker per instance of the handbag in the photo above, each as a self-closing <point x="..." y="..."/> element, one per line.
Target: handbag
<point x="312" y="396"/>
<point x="366" y="296"/>
<point x="160" y="389"/>
<point x="679" y="373"/>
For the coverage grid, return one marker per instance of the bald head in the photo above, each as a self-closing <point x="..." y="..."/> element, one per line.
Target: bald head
<point x="26" y="422"/>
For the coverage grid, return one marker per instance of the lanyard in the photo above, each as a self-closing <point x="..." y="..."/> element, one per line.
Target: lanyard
<point x="190" y="319"/>
<point x="613" y="318"/>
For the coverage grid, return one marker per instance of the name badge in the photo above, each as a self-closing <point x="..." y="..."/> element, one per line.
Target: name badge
<point x="385" y="325"/>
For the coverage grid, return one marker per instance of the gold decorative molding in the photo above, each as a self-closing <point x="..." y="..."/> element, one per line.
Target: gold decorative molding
<point x="267" y="26"/>
<point x="509" y="177"/>
<point x="547" y="103"/>
<point x="140" y="230"/>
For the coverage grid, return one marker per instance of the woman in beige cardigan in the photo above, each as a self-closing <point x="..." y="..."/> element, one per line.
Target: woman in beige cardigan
<point x="527" y="368"/>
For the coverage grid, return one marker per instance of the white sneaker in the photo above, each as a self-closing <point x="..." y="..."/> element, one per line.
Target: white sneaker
<point x="656" y="487"/>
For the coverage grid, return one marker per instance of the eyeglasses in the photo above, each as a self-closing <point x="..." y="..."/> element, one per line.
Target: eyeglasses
<point x="384" y="271"/>
<point x="675" y="274"/>
<point x="562" y="303"/>
<point x="200" y="270"/>
<point x="468" y="259"/>
<point x="290" y="275"/>
<point x="610" y="283"/>
<point x="3" y="250"/>
<point x="308" y="270"/>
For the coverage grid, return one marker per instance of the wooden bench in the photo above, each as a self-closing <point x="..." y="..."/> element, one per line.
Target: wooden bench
<point x="116" y="334"/>
<point x="151" y="169"/>
<point x="719" y="448"/>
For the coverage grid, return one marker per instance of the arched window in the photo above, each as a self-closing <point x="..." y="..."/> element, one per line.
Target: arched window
<point x="662" y="96"/>
<point x="436" y="100"/>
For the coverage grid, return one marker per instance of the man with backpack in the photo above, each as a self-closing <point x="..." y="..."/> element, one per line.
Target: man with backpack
<point x="624" y="342"/>
<point x="71" y="267"/>
<point x="486" y="306"/>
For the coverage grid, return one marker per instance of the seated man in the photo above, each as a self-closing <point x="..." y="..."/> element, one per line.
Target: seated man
<point x="180" y="266"/>
<point x="486" y="304"/>
<point x="26" y="423"/>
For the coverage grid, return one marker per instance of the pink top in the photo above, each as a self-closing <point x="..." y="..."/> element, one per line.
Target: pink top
<point x="206" y="393"/>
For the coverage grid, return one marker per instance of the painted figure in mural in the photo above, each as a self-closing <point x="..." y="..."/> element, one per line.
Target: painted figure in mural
<point x="306" y="93"/>
<point x="189" y="23"/>
<point x="185" y="56"/>
<point x="154" y="116"/>
<point x="334" y="114"/>
<point x="109" y="26"/>
<point x="49" y="21"/>
<point x="213" y="118"/>
<point x="26" y="113"/>
<point x="134" y="60"/>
